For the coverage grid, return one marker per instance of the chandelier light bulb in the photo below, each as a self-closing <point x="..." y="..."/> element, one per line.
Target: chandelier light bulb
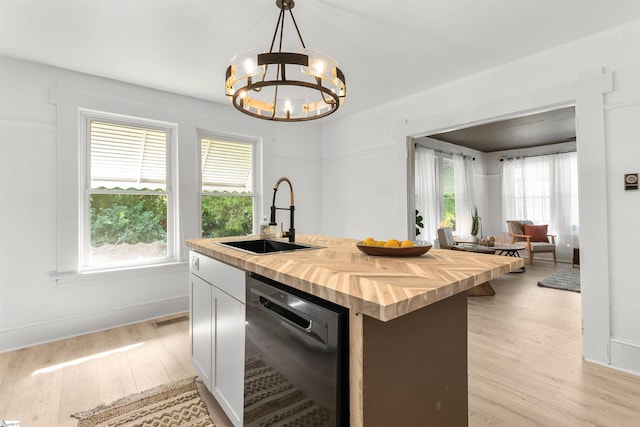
<point x="249" y="66"/>
<point x="318" y="68"/>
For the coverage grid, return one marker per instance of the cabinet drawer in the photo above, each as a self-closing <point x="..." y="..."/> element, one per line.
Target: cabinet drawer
<point x="225" y="277"/>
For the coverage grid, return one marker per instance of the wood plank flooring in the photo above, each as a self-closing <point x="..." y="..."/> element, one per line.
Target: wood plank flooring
<point x="525" y="365"/>
<point x="525" y="362"/>
<point x="81" y="372"/>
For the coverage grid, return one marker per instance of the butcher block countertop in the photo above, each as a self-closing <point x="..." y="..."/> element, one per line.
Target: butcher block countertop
<point x="383" y="288"/>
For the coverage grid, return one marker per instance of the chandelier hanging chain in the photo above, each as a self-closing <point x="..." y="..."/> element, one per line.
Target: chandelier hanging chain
<point x="318" y="81"/>
<point x="281" y="70"/>
<point x="275" y="98"/>
<point x="275" y="33"/>
<point x="280" y="23"/>
<point x="273" y="41"/>
<point x="297" y="30"/>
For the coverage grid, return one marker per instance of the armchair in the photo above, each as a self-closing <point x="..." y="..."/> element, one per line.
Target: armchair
<point x="534" y="236"/>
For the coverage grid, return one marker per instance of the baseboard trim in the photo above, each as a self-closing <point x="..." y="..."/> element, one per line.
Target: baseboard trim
<point x="61" y="328"/>
<point x="625" y="355"/>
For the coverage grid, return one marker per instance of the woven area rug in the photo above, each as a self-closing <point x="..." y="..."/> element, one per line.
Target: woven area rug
<point x="271" y="400"/>
<point x="567" y="279"/>
<point x="174" y="404"/>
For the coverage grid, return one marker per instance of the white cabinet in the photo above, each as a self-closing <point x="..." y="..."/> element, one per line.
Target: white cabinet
<point x="228" y="349"/>
<point x="217" y="309"/>
<point x="201" y="327"/>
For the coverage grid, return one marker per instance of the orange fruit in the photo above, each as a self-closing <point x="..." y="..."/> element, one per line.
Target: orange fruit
<point x="381" y="243"/>
<point x="369" y="241"/>
<point x="393" y="243"/>
<point x="406" y="243"/>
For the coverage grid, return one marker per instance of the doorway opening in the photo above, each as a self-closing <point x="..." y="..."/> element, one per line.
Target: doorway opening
<point x="549" y="135"/>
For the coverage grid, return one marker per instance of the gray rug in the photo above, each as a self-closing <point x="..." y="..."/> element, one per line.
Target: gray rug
<point x="567" y="279"/>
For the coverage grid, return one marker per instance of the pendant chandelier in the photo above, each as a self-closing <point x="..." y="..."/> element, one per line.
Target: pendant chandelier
<point x="285" y="86"/>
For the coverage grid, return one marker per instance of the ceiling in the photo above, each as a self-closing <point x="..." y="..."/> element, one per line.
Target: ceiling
<point x="545" y="128"/>
<point x="387" y="49"/>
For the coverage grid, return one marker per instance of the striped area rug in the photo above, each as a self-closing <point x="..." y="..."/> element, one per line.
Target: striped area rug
<point x="174" y="404"/>
<point x="271" y="400"/>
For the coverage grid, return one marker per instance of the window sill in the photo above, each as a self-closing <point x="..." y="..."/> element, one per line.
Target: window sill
<point x="92" y="277"/>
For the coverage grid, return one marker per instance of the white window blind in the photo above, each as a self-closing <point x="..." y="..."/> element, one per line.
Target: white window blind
<point x="127" y="157"/>
<point x="226" y="166"/>
<point x="448" y="177"/>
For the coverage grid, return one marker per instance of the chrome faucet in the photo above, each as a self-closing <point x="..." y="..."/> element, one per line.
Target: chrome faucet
<point x="291" y="234"/>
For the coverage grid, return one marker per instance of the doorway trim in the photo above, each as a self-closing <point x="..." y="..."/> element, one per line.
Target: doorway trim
<point x="586" y="92"/>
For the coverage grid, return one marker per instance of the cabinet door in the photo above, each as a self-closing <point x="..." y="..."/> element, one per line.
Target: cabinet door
<point x="201" y="328"/>
<point x="228" y="351"/>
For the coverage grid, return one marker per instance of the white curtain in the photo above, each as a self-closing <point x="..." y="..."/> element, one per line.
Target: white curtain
<point x="544" y="189"/>
<point x="429" y="192"/>
<point x="465" y="193"/>
<point x="564" y="203"/>
<point x="512" y="190"/>
<point x="426" y="188"/>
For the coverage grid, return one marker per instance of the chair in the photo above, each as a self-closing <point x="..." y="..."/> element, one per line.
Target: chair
<point x="447" y="241"/>
<point x="535" y="236"/>
<point x="445" y="238"/>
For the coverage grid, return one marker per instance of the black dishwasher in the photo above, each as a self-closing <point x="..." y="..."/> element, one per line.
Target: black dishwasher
<point x="297" y="357"/>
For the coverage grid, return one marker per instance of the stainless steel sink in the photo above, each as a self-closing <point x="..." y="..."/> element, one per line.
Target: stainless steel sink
<point x="266" y="246"/>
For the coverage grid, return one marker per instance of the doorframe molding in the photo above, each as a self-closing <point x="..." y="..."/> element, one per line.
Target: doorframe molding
<point x="586" y="93"/>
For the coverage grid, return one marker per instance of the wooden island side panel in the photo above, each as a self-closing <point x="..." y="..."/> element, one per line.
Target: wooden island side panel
<point x="415" y="367"/>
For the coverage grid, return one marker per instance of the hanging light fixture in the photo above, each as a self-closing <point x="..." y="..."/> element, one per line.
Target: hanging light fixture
<point x="285" y="86"/>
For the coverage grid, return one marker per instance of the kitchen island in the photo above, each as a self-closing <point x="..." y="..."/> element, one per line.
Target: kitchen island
<point x="407" y="320"/>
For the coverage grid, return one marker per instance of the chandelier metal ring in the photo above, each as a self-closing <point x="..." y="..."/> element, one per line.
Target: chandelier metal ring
<point x="238" y="100"/>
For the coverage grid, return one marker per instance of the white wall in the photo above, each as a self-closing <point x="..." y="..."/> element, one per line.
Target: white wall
<point x="364" y="157"/>
<point x="38" y="120"/>
<point x="364" y="176"/>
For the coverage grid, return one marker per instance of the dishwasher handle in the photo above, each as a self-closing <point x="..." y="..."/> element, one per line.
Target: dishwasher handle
<point x="292" y="317"/>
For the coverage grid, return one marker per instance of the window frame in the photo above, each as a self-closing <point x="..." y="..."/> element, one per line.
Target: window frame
<point x="256" y="172"/>
<point x="86" y="116"/>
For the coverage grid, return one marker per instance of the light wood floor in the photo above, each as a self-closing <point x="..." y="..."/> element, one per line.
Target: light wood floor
<point x="143" y="357"/>
<point x="525" y="363"/>
<point x="525" y="367"/>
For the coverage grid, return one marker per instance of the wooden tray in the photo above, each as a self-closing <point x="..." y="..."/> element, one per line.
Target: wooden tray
<point x="420" y="248"/>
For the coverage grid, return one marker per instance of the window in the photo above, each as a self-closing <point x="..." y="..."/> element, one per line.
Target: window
<point x="544" y="189"/>
<point x="444" y="191"/>
<point x="228" y="199"/>
<point x="448" y="194"/>
<point x="127" y="216"/>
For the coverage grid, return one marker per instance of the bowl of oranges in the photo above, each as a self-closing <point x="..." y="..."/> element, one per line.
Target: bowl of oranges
<point x="393" y="247"/>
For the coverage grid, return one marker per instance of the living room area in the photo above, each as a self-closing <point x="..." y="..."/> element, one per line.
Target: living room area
<point x="526" y="340"/>
<point x="510" y="185"/>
